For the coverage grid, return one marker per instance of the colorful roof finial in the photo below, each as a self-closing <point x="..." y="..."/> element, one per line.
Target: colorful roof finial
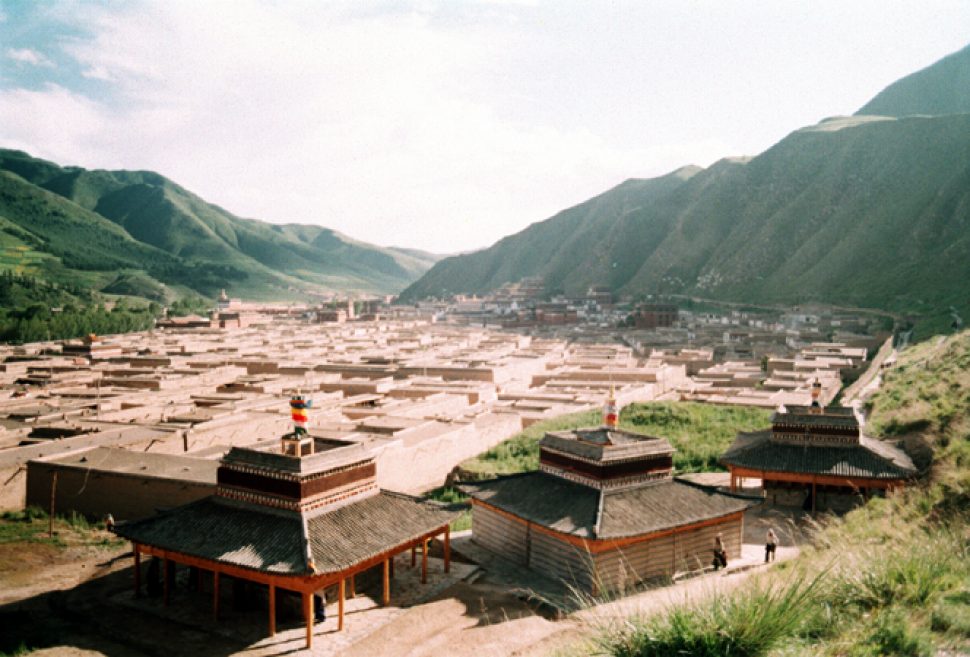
<point x="611" y="413"/>
<point x="298" y="411"/>
<point x="816" y="393"/>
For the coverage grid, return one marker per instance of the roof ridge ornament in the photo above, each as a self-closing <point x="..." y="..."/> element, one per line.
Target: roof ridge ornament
<point x="816" y="407"/>
<point x="611" y="411"/>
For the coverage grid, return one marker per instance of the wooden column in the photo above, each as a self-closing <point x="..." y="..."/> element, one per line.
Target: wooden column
<point x="386" y="594"/>
<point x="424" y="561"/>
<point x="166" y="573"/>
<point x="272" y="609"/>
<point x="215" y="594"/>
<point x="353" y="586"/>
<point x="308" y="617"/>
<point x="413" y="555"/>
<point x="340" y="604"/>
<point x="134" y="546"/>
<point x="447" y="548"/>
<point x="813" y="498"/>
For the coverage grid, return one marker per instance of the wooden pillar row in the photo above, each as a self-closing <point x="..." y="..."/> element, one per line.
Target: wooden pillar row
<point x="340" y="605"/>
<point x="134" y="546"/>
<point x="166" y="574"/>
<point x="308" y="617"/>
<point x="447" y="548"/>
<point x="386" y="593"/>
<point x="215" y="594"/>
<point x="272" y="610"/>
<point x="424" y="560"/>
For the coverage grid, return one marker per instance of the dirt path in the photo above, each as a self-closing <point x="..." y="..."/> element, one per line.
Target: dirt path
<point x="481" y="621"/>
<point x="467" y="620"/>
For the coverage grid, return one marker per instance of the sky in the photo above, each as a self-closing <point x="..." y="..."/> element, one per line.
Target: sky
<point x="441" y="126"/>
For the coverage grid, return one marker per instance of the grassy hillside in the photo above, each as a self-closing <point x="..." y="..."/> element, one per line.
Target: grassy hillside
<point x="158" y="234"/>
<point x="865" y="213"/>
<point x="941" y="88"/>
<point x="699" y="432"/>
<point x="551" y="248"/>
<point x="890" y="578"/>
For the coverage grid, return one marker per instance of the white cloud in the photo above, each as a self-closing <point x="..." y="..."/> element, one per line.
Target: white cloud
<point x="362" y="124"/>
<point x="97" y="73"/>
<point x="28" y="56"/>
<point x="434" y="125"/>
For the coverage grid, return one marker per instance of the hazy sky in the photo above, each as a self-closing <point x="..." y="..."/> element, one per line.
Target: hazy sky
<point x="439" y="125"/>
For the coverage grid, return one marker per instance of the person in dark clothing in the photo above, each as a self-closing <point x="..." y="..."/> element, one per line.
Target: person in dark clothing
<point x="154" y="574"/>
<point x="771" y="543"/>
<point x="319" y="607"/>
<point x="720" y="556"/>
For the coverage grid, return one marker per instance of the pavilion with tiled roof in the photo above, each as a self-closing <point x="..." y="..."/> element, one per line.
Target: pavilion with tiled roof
<point x="604" y="513"/>
<point x="300" y="516"/>
<point x="814" y="450"/>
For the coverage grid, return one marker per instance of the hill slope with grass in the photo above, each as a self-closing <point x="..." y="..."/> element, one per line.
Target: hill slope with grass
<point x="941" y="88"/>
<point x="856" y="211"/>
<point x="890" y="578"/>
<point x="145" y="228"/>
<point x="699" y="432"/>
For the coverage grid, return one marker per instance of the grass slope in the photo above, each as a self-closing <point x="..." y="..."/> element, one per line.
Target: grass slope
<point x="551" y="248"/>
<point x="941" y="88"/>
<point x="699" y="432"/>
<point x="207" y="248"/>
<point x="864" y="213"/>
<point x="869" y="212"/>
<point x="890" y="578"/>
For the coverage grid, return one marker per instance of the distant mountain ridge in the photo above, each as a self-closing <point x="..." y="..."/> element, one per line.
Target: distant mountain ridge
<point x="939" y="89"/>
<point x="862" y="211"/>
<point x="173" y="238"/>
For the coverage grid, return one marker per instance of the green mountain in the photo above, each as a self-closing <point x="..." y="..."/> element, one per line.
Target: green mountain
<point x="138" y="233"/>
<point x="941" y="88"/>
<point x="858" y="211"/>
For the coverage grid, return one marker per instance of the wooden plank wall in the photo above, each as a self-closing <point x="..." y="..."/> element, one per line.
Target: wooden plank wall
<point x="695" y="549"/>
<point x="614" y="570"/>
<point x="562" y="561"/>
<point x="499" y="534"/>
<point x="623" y="568"/>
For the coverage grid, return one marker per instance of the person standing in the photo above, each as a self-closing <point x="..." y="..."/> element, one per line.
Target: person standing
<point x="771" y="543"/>
<point x="720" y="556"/>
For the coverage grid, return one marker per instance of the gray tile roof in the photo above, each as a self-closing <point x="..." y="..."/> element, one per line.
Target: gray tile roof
<point x="603" y="444"/>
<point x="664" y="506"/>
<point x="870" y="458"/>
<point x="575" y="509"/>
<point x="355" y="532"/>
<point x="267" y="540"/>
<point x="226" y="531"/>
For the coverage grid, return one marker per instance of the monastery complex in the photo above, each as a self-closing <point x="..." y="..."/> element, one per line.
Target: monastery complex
<point x="283" y="452"/>
<point x="421" y="395"/>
